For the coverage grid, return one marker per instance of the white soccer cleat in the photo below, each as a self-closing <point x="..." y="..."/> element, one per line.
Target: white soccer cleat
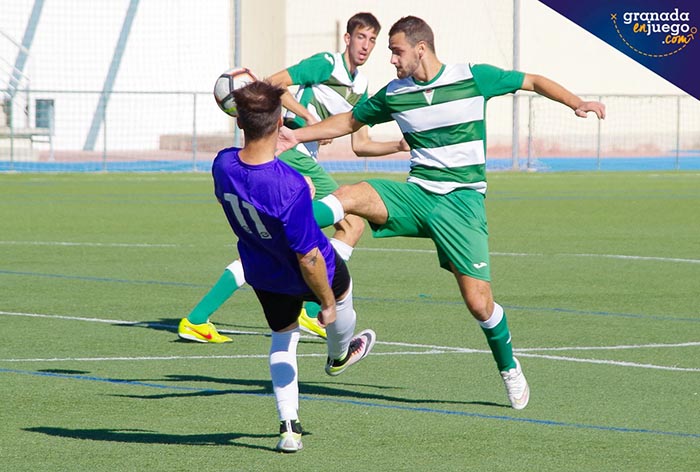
<point x="360" y="346"/>
<point x="290" y="436"/>
<point x="516" y="386"/>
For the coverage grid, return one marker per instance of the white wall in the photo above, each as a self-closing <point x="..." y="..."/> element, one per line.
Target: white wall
<point x="478" y="31"/>
<point x="182" y="45"/>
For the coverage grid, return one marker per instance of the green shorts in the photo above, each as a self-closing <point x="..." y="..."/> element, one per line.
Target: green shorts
<point x="305" y="165"/>
<point x="456" y="222"/>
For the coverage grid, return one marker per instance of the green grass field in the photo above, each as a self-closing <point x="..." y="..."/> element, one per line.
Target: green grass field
<point x="599" y="274"/>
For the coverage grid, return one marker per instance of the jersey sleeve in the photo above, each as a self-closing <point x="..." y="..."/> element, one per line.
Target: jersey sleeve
<point x="493" y="81"/>
<point x="373" y="110"/>
<point x="312" y="70"/>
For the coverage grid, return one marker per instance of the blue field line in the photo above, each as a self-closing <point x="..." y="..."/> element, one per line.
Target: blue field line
<point x="103" y="279"/>
<point x="687" y="160"/>
<point x="104" y="380"/>
<point x="421" y="298"/>
<point x="366" y="404"/>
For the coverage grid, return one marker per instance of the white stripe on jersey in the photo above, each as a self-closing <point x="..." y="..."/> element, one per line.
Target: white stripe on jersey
<point x="452" y="73"/>
<point x="330" y="98"/>
<point x="442" y="188"/>
<point x="455" y="155"/>
<point x="443" y="114"/>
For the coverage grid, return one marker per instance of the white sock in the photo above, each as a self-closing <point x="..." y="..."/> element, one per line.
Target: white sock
<point x="283" y="370"/>
<point x="332" y="202"/>
<point x="236" y="268"/>
<point x="343" y="249"/>
<point x="495" y="318"/>
<point x="339" y="333"/>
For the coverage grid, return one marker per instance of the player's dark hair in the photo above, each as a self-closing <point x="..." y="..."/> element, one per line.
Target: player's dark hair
<point x="363" y="20"/>
<point x="259" y="109"/>
<point x="416" y="30"/>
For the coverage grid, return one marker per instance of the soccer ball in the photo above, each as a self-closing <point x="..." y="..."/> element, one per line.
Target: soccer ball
<point x="228" y="82"/>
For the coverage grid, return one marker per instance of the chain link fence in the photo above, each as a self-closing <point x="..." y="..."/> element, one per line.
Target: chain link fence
<point x="44" y="130"/>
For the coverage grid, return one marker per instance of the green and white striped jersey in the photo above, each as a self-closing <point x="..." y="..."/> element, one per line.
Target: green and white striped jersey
<point x="443" y="122"/>
<point x="326" y="88"/>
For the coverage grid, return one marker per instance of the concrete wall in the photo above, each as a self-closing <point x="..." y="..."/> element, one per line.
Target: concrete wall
<point x="181" y="45"/>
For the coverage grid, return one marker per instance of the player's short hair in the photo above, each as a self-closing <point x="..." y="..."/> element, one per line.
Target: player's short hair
<point x="415" y="29"/>
<point x="363" y="20"/>
<point x="259" y="109"/>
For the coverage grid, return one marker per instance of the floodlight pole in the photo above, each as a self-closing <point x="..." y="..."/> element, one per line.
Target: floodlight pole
<point x="23" y="50"/>
<point x="516" y="102"/>
<point x="101" y="111"/>
<point x="236" y="57"/>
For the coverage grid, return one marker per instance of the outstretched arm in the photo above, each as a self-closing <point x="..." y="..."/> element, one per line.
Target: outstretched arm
<point x="283" y="79"/>
<point x="364" y="146"/>
<point x="556" y="92"/>
<point x="333" y="127"/>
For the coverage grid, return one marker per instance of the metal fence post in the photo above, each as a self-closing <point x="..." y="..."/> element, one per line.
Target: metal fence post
<point x="600" y="99"/>
<point x="530" y="117"/>
<point x="104" y="132"/>
<point x="678" y="132"/>
<point x="11" y="122"/>
<point x="194" y="132"/>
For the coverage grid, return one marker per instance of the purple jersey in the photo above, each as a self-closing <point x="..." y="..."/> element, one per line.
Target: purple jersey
<point x="269" y="208"/>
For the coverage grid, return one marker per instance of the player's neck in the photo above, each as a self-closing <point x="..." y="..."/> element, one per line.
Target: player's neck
<point x="259" y="151"/>
<point x="429" y="69"/>
<point x="352" y="68"/>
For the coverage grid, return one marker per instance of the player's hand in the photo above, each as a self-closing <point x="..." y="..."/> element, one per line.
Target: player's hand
<point x="285" y="140"/>
<point x="596" y="107"/>
<point x="326" y="316"/>
<point x="403" y="146"/>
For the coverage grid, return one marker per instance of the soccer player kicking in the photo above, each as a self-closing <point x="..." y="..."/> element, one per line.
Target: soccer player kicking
<point x="328" y="83"/>
<point x="286" y="257"/>
<point x="440" y="109"/>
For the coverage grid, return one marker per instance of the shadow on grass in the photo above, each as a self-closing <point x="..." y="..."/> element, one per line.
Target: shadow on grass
<point x="64" y="371"/>
<point x="151" y="437"/>
<point x="171" y="324"/>
<point x="264" y="388"/>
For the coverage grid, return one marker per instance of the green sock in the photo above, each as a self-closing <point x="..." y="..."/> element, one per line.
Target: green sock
<point x="498" y="338"/>
<point x="217" y="295"/>
<point x="312" y="309"/>
<point x="323" y="214"/>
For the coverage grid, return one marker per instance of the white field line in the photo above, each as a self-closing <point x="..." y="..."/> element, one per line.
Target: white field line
<point x="361" y="249"/>
<point x="84" y="244"/>
<point x="610" y="362"/>
<point x="108" y="321"/>
<point x="425" y="349"/>
<point x="608" y="348"/>
<point x="535" y="254"/>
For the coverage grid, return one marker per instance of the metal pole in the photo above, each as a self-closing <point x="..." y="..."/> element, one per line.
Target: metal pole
<point x="237" y="58"/>
<point x="337" y="36"/>
<point x="23" y="54"/>
<point x="678" y="132"/>
<point x="194" y="131"/>
<point x="111" y="75"/>
<point x="12" y="133"/>
<point x="598" y="138"/>
<point x="529" y="132"/>
<point x="516" y="103"/>
<point x="104" y="134"/>
<point x="51" y="131"/>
